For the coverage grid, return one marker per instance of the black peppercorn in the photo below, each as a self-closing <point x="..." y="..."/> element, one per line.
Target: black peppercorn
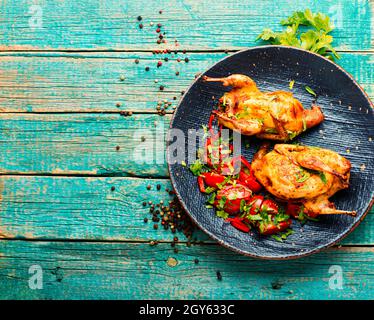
<point x="219" y="276"/>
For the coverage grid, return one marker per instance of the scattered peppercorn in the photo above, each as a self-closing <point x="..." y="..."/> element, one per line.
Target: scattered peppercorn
<point x="162" y="88"/>
<point x="112" y="188"/>
<point x="146" y="68"/>
<point x="177" y="73"/>
<point x="176" y="250"/>
<point x="155" y="226"/>
<point x="140" y="18"/>
<point x="142" y="138"/>
<point x="140" y="25"/>
<point x="118" y="104"/>
<point x="219" y="276"/>
<point x="175" y="239"/>
<point x="159" y="64"/>
<point x="196" y="261"/>
<point x="122" y="78"/>
<point x="158" y="187"/>
<point x="144" y="204"/>
<point x="136" y="61"/>
<point x="149" y="187"/>
<point x="160" y="12"/>
<point x="117" y="148"/>
<point x="145" y="220"/>
<point x="186" y="59"/>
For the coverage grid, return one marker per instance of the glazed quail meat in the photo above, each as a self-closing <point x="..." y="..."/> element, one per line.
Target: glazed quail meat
<point x="308" y="175"/>
<point x="268" y="115"/>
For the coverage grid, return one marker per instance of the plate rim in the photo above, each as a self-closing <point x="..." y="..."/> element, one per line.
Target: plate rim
<point x="212" y="235"/>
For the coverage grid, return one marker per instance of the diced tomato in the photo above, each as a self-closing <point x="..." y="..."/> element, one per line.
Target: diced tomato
<point x="233" y="195"/>
<point x="256" y="203"/>
<point x="272" y="228"/>
<point x="293" y="209"/>
<point x="271" y="206"/>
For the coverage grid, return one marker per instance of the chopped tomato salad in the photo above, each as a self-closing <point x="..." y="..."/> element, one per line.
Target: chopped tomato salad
<point x="234" y="190"/>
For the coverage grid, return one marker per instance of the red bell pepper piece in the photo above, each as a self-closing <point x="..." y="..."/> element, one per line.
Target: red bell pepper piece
<point x="249" y="180"/>
<point x="239" y="224"/>
<point x="200" y="182"/>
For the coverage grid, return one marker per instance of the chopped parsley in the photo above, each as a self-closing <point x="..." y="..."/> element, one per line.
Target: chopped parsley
<point x="197" y="167"/>
<point x="315" y="36"/>
<point x="302" y="176"/>
<point x="292" y="82"/>
<point x="310" y="90"/>
<point x="222" y="214"/>
<point x="323" y="177"/>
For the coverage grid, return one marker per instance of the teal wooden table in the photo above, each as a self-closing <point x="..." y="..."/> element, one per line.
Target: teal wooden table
<point x="67" y="74"/>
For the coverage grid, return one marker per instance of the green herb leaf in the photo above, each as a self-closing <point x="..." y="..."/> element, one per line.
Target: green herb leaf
<point x="292" y="82"/>
<point x="271" y="130"/>
<point x="212" y="198"/>
<point x="302" y="176"/>
<point x="315" y="39"/>
<point x="209" y="190"/>
<point x="323" y="177"/>
<point x="222" y="214"/>
<point x="197" y="167"/>
<point x="183" y="163"/>
<point x="279" y="239"/>
<point x="309" y="90"/>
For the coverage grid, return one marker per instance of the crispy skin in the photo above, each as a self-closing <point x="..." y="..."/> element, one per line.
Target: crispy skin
<point x="268" y="115"/>
<point x="293" y="173"/>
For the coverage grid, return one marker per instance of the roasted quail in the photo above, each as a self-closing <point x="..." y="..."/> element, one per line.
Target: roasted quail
<point x="307" y="175"/>
<point x="268" y="115"/>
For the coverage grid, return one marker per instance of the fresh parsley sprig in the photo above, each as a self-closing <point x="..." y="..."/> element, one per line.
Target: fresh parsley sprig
<point x="316" y="39"/>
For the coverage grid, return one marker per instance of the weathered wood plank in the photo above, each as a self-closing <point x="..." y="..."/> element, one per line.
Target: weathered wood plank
<point x="112" y="25"/>
<point x="90" y="82"/>
<point x="83" y="144"/>
<point x="67" y="144"/>
<point x="85" y="208"/>
<point x="107" y="271"/>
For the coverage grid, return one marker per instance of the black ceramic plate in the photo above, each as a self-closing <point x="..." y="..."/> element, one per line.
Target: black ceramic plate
<point x="348" y="129"/>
